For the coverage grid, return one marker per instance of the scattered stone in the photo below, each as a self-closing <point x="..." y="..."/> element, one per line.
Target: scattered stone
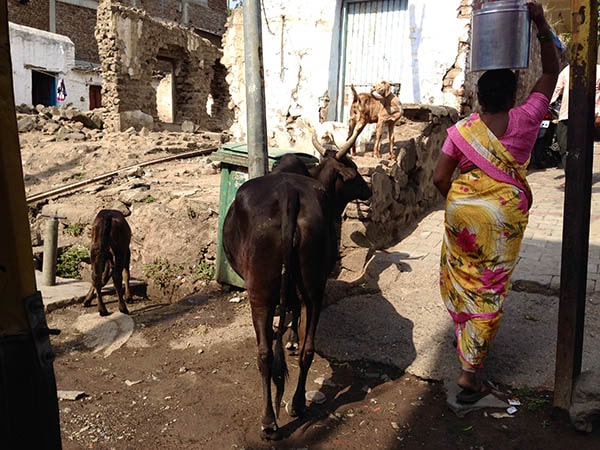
<point x="131" y="383"/>
<point x="316" y="397"/>
<point x="70" y="395"/>
<point x="322" y="381"/>
<point x="26" y="124"/>
<point x="585" y="408"/>
<point x="187" y="126"/>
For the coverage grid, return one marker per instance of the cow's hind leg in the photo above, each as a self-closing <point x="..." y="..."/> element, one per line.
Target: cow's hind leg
<point x="262" y="320"/>
<point x="99" y="280"/>
<point x="307" y="329"/>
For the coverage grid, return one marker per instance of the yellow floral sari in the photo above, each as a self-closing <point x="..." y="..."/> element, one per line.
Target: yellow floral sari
<point x="486" y="215"/>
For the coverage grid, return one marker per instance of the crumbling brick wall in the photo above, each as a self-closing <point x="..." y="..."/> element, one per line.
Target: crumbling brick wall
<point x="77" y="23"/>
<point x="130" y="42"/>
<point x="32" y="14"/>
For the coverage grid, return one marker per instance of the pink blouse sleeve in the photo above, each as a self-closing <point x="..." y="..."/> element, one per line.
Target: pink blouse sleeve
<point x="451" y="150"/>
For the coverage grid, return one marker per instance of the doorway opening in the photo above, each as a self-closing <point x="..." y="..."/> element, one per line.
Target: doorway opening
<point x="43" y="88"/>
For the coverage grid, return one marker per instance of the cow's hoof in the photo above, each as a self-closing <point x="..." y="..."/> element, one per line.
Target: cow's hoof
<point x="270" y="433"/>
<point x="103" y="313"/>
<point x="294" y="410"/>
<point x="87" y="303"/>
<point x="124" y="310"/>
<point x="129" y="300"/>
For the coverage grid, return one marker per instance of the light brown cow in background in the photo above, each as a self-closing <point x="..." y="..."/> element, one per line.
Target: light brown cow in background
<point x="380" y="106"/>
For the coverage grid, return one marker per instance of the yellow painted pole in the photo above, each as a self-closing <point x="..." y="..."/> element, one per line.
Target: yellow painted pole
<point x="576" y="217"/>
<point x="17" y="278"/>
<point x="29" y="415"/>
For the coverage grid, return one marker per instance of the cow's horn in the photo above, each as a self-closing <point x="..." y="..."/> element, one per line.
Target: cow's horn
<point x="315" y="141"/>
<point x="343" y="149"/>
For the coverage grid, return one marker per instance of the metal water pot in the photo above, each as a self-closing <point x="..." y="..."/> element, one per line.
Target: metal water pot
<point x="500" y="35"/>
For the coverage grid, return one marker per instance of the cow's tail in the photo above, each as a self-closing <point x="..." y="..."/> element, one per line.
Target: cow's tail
<point x="105" y="255"/>
<point x="289" y="207"/>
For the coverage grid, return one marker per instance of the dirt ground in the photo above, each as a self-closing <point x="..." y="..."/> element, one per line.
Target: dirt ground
<point x="184" y="375"/>
<point x="164" y="390"/>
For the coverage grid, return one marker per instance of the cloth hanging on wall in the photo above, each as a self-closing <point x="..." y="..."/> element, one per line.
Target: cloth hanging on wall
<point x="61" y="90"/>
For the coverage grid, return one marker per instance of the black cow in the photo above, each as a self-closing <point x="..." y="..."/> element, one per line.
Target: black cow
<point x="280" y="236"/>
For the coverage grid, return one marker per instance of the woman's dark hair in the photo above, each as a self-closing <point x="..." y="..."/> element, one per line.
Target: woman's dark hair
<point x="496" y="90"/>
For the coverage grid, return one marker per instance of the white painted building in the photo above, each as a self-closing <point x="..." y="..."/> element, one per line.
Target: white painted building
<point x="42" y="62"/>
<point x="314" y="51"/>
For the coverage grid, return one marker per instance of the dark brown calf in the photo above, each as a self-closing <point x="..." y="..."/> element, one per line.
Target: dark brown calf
<point x="110" y="255"/>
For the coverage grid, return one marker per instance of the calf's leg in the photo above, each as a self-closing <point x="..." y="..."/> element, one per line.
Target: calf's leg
<point x="117" y="277"/>
<point x="393" y="155"/>
<point x="128" y="297"/>
<point x="99" y="282"/>
<point x="378" y="133"/>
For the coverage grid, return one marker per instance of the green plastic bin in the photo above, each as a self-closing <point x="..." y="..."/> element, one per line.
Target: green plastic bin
<point x="234" y="172"/>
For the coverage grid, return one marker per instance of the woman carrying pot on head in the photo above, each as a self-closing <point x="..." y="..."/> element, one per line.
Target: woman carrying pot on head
<point x="487" y="205"/>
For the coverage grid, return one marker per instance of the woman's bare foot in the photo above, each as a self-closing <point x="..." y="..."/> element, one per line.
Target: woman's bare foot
<point x="472" y="388"/>
<point x="468" y="380"/>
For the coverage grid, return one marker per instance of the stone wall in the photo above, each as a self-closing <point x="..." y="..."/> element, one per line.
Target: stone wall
<point x="130" y="42"/>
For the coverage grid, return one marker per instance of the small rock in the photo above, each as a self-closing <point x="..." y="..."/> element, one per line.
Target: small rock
<point x="70" y="395"/>
<point x="131" y="383"/>
<point x="316" y="397"/>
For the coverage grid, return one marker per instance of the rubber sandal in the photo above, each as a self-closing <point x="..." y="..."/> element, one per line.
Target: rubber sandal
<point x="468" y="397"/>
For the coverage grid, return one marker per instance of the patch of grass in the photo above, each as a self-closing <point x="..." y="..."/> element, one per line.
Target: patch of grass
<point x="532" y="400"/>
<point x="68" y="262"/>
<point x="202" y="272"/>
<point x="162" y="272"/>
<point x="149" y="199"/>
<point x="74" y="229"/>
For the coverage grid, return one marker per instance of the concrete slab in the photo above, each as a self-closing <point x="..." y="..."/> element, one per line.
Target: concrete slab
<point x="69" y="291"/>
<point x="461" y="410"/>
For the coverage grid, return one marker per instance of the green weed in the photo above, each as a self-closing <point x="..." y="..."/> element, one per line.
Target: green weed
<point x="162" y="272"/>
<point x="202" y="272"/>
<point x="68" y="262"/>
<point x="74" y="229"/>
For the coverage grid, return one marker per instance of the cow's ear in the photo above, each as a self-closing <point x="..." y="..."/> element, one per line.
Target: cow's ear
<point x="347" y="173"/>
<point x="388" y="89"/>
